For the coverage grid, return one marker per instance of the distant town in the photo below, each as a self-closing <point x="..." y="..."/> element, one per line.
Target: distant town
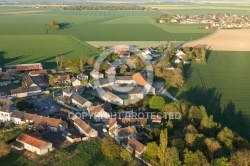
<point x="210" y="20"/>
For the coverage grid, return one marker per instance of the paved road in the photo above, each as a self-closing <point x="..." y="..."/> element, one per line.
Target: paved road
<point x="46" y="102"/>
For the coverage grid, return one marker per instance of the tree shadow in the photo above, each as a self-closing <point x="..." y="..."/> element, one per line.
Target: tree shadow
<point x="4" y="61"/>
<point x="64" y="25"/>
<point x="208" y="52"/>
<point x="226" y="116"/>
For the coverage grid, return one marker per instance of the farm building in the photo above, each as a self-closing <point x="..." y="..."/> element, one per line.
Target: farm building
<point x="32" y="81"/>
<point x="38" y="73"/>
<point x="23" y="67"/>
<point x="25" y="91"/>
<point x="34" y="144"/>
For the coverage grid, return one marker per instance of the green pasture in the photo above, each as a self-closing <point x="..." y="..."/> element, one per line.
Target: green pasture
<point x="222" y="85"/>
<point x="16" y="49"/>
<point x="98" y="25"/>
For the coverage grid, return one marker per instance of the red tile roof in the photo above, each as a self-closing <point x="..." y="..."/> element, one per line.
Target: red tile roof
<point x="61" y="78"/>
<point x="31" y="140"/>
<point x="139" y="79"/>
<point x="23" y="67"/>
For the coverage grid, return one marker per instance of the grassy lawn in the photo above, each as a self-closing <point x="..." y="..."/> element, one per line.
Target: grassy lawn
<point x="223" y="87"/>
<point x="89" y="153"/>
<point x="14" y="159"/>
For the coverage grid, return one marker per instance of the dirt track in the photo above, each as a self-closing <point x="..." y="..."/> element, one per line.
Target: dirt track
<point x="226" y="40"/>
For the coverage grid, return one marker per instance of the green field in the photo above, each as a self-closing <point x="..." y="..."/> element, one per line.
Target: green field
<point x="84" y="153"/>
<point x="16" y="49"/>
<point x="222" y="85"/>
<point x="27" y="37"/>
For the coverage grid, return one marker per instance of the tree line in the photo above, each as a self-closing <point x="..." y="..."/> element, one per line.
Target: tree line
<point x="195" y="139"/>
<point x="104" y="7"/>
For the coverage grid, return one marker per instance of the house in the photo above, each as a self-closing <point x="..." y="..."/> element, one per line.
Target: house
<point x="38" y="73"/>
<point x="23" y="67"/>
<point x="6" y="109"/>
<point x="16" y="117"/>
<point x="96" y="74"/>
<point x="118" y="132"/>
<point x="134" y="147"/>
<point x="82" y="77"/>
<point x="79" y="101"/>
<point x="124" y="54"/>
<point x="25" y="91"/>
<point x="137" y="122"/>
<point x="5" y="79"/>
<point x="75" y="82"/>
<point x="140" y="80"/>
<point x="111" y="71"/>
<point x="84" y="128"/>
<point x="62" y="79"/>
<point x="33" y="81"/>
<point x="37" y="121"/>
<point x="69" y="90"/>
<point x="110" y="97"/>
<point x="98" y="113"/>
<point x="34" y="144"/>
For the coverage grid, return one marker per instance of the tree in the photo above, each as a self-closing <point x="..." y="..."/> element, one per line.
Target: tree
<point x="127" y="157"/>
<point x="220" y="162"/>
<point x="196" y="158"/>
<point x="150" y="155"/>
<point x="54" y="25"/>
<point x="172" y="157"/>
<point x="240" y="158"/>
<point x="172" y="48"/>
<point x="21" y="104"/>
<point x="91" y="60"/>
<point x="163" y="146"/>
<point x="57" y="61"/>
<point x="51" y="80"/>
<point x="114" y="57"/>
<point x="179" y="144"/>
<point x="226" y="137"/>
<point x="4" y="149"/>
<point x="110" y="148"/>
<point x="81" y="65"/>
<point x="157" y="102"/>
<point x="213" y="146"/>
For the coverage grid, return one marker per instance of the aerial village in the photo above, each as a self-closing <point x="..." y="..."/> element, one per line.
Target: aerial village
<point x="51" y="113"/>
<point x="211" y="20"/>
